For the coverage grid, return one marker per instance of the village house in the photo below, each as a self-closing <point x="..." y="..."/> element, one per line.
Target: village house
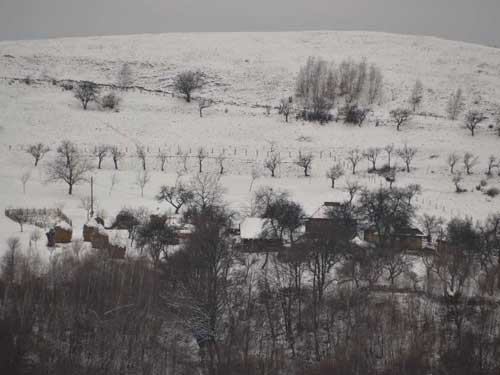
<point x="320" y="222"/>
<point x="255" y="236"/>
<point x="407" y="238"/>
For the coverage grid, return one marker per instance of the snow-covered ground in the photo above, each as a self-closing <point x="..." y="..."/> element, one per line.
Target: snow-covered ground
<point x="244" y="69"/>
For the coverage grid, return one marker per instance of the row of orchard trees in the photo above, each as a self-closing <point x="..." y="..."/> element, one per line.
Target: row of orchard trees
<point x="317" y="307"/>
<point x="72" y="167"/>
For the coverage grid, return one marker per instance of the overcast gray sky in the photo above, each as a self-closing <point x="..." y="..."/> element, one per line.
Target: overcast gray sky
<point x="469" y="20"/>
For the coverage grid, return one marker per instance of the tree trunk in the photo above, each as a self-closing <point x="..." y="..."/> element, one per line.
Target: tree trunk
<point x="70" y="190"/>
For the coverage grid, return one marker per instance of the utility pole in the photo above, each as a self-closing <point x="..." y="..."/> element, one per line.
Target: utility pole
<point x="91" y="197"/>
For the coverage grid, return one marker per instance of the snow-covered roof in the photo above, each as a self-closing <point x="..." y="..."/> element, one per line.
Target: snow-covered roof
<point x="322" y="211"/>
<point x="252" y="227"/>
<point x="63" y="225"/>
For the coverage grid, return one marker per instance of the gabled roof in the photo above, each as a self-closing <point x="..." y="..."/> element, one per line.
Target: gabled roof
<point x="322" y="211"/>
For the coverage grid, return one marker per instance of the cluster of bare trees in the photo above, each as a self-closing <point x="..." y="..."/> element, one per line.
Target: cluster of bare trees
<point x="468" y="161"/>
<point x="324" y="304"/>
<point x="321" y="86"/>
<point x="87" y="92"/>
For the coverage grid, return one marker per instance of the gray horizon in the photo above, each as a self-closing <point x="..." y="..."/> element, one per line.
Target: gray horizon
<point x="450" y="19"/>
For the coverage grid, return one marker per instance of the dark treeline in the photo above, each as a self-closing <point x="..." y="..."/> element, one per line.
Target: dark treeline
<point x="323" y="305"/>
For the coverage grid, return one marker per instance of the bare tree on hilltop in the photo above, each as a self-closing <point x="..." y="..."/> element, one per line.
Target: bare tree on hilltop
<point x="417" y="95"/>
<point x="455" y="104"/>
<point x="400" y="116"/>
<point x="472" y="120"/>
<point x="125" y="76"/>
<point x="187" y="82"/>
<point x="86" y="92"/>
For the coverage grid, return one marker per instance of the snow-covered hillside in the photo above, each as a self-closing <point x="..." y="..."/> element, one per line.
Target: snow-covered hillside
<point x="259" y="67"/>
<point x="243" y="69"/>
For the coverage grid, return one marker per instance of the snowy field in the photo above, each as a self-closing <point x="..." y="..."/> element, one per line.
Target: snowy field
<point x="246" y="71"/>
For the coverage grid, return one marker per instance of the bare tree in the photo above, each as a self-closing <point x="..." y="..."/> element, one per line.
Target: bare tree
<point x="472" y="120"/>
<point x="312" y="89"/>
<point x="89" y="205"/>
<point x="177" y="195"/>
<point x="400" y="116"/>
<point x="375" y="84"/>
<point x="204" y="103"/>
<point x="20" y="216"/>
<point x="497" y="122"/>
<point x="187" y="82"/>
<point x="113" y="182"/>
<point x="24" y="179"/>
<point x="417" y="95"/>
<point x="268" y="110"/>
<point x="183" y="157"/>
<point x="207" y="190"/>
<point x="125" y="77"/>
<point x="452" y="160"/>
<point x="101" y="151"/>
<point x="372" y="155"/>
<point x="395" y="263"/>
<point x="38" y="151"/>
<point x="221" y="159"/>
<point x="69" y="166"/>
<point x="334" y="173"/>
<point x="352" y="77"/>
<point x="86" y="92"/>
<point x="457" y="179"/>
<point x="117" y="155"/>
<point x="455" y="104"/>
<point x="155" y="236"/>
<point x="66" y="150"/>
<point x="304" y="161"/>
<point x="142" y="178"/>
<point x="162" y="158"/>
<point x="390" y="176"/>
<point x="140" y="152"/>
<point x="272" y="162"/>
<point x="10" y="259"/>
<point x="352" y="188"/>
<point x="389" y="149"/>
<point x="470" y="161"/>
<point x="492" y="163"/>
<point x="411" y="191"/>
<point x="407" y="153"/>
<point x="201" y="155"/>
<point x="354" y="156"/>
<point x="254" y="174"/>
<point x="35" y="236"/>
<point x="286" y="107"/>
<point x="432" y="225"/>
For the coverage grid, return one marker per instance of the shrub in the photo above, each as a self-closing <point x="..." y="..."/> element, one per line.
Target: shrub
<point x="321" y="117"/>
<point x="110" y="101"/>
<point x="67" y="86"/>
<point x="355" y="114"/>
<point x="492" y="192"/>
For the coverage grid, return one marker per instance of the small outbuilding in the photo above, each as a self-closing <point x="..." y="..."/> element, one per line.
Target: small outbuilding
<point x="407" y="238"/>
<point x="256" y="237"/>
